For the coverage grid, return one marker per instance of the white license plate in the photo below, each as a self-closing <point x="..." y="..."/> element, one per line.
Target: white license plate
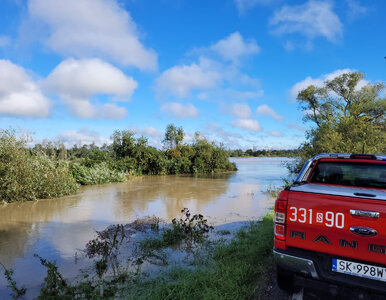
<point x="358" y="269"/>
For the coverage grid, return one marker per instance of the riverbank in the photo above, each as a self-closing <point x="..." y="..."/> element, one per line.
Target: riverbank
<point x="147" y="259"/>
<point x="51" y="170"/>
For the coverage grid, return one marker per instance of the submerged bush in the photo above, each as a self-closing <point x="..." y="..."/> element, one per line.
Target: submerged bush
<point x="98" y="174"/>
<point x="25" y="176"/>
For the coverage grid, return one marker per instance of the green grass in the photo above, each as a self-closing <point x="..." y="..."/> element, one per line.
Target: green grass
<point x="236" y="270"/>
<point x="232" y="271"/>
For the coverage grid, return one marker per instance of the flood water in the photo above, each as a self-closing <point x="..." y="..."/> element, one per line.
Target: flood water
<point x="58" y="228"/>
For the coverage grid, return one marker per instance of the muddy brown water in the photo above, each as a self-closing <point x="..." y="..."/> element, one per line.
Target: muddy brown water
<point x="58" y="229"/>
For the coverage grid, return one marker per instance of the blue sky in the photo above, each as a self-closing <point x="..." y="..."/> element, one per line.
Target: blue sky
<point x="77" y="70"/>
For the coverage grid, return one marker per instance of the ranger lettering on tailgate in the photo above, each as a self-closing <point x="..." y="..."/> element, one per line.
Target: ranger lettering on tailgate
<point x="330" y="224"/>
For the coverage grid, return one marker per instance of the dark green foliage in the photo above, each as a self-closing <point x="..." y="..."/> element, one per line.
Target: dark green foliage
<point x="227" y="271"/>
<point x="97" y="174"/>
<point x="188" y="228"/>
<point x="173" y="136"/>
<point x="346" y="118"/>
<point x="29" y="176"/>
<point x="18" y="293"/>
<point x="50" y="170"/>
<point x="105" y="246"/>
<point x="264" y="153"/>
<point x="209" y="158"/>
<point x="54" y="285"/>
<point x="233" y="271"/>
<point x="192" y="227"/>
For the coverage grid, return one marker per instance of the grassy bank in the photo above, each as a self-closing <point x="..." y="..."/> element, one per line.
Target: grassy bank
<point x="229" y="271"/>
<point x="236" y="269"/>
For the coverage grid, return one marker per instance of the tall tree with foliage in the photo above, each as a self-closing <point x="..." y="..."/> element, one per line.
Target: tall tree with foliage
<point x="173" y="136"/>
<point x="349" y="117"/>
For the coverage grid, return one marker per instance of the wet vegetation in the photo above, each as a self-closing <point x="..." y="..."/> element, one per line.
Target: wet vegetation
<point x="188" y="228"/>
<point x="219" y="269"/>
<point x="264" y="153"/>
<point x="26" y="174"/>
<point x="50" y="170"/>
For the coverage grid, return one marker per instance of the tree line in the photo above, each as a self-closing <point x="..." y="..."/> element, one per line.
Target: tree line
<point x="264" y="153"/>
<point x="50" y="170"/>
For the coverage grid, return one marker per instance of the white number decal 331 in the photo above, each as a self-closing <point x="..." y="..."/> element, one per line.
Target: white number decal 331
<point x="328" y="218"/>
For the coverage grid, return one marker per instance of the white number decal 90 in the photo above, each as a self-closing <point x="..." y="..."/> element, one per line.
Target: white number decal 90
<point x="303" y="215"/>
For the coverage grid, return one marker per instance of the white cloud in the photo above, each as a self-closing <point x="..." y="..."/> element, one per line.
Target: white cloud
<point x="92" y="28"/>
<point x="218" y="134"/>
<point x="77" y="81"/>
<point x="181" y="80"/>
<point x="275" y="133"/>
<point x="209" y="73"/>
<point x="180" y="111"/>
<point x="241" y="110"/>
<point x="265" y="110"/>
<point x="355" y="9"/>
<point x="244" y="5"/>
<point x="247" y="124"/>
<point x="19" y="93"/>
<point x="233" y="47"/>
<point x="319" y="82"/>
<point x="312" y="19"/>
<point x="81" y="137"/>
<point x="151" y="131"/>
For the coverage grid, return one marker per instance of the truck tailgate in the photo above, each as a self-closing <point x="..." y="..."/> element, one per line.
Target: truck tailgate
<point x="344" y="222"/>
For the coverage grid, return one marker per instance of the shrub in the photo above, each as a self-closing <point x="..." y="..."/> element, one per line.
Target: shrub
<point x="98" y="174"/>
<point x="25" y="176"/>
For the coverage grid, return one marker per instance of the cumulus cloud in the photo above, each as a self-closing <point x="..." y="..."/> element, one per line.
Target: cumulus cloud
<point x="274" y="133"/>
<point x="181" y="80"/>
<point x="311" y="19"/>
<point x="241" y="110"/>
<point x="77" y="81"/>
<point x="218" y="134"/>
<point x="180" y="111"/>
<point x="234" y="46"/>
<point x="214" y="66"/>
<point x="319" y="82"/>
<point x="19" y="93"/>
<point x="151" y="131"/>
<point x="247" y="124"/>
<point x="265" y="110"/>
<point x="92" y="28"/>
<point x="80" y="137"/>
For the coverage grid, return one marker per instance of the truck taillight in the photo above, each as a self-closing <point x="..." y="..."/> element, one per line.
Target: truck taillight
<point x="280" y="216"/>
<point x="280" y="232"/>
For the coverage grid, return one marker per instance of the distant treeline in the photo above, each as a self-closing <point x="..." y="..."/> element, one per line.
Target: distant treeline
<point x="271" y="153"/>
<point x="50" y="170"/>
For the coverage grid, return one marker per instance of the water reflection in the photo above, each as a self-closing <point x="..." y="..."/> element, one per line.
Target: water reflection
<point x="57" y="228"/>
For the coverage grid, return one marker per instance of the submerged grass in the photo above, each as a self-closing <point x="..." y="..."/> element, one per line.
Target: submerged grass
<point x="220" y="270"/>
<point x="233" y="271"/>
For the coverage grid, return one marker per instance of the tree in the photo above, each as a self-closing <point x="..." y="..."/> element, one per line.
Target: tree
<point x="123" y="143"/>
<point x="349" y="117"/>
<point x="173" y="136"/>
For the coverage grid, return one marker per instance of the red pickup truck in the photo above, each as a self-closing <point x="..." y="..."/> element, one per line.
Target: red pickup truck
<point x="330" y="227"/>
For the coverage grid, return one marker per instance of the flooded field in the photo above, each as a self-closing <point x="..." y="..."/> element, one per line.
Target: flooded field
<point x="57" y="229"/>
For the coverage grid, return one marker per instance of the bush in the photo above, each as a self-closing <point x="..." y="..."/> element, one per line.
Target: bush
<point x="98" y="174"/>
<point x="25" y="176"/>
